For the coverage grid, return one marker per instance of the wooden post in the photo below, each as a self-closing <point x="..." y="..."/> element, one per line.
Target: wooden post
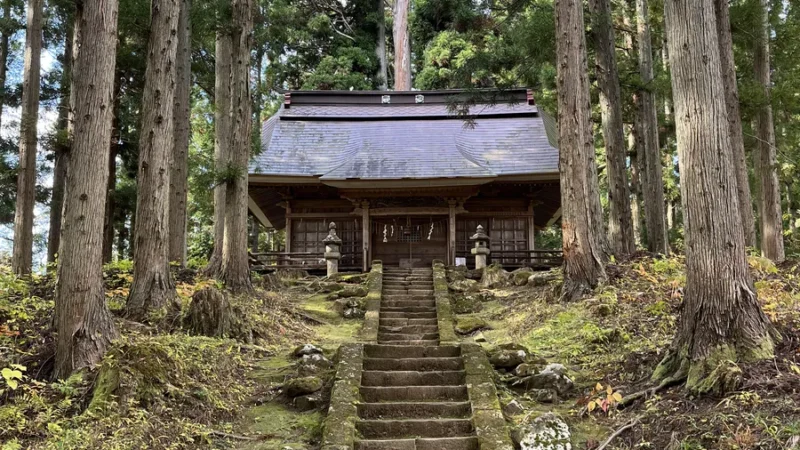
<point x="366" y="233"/>
<point x="451" y="233"/>
<point x="288" y="226"/>
<point x="531" y="227"/>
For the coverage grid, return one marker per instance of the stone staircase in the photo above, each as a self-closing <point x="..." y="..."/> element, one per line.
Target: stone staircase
<point x="413" y="391"/>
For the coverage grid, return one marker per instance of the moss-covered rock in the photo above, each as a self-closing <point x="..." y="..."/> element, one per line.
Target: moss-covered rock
<point x="466" y="304"/>
<point x="494" y="276"/>
<point x="302" y="386"/>
<point x="464" y="285"/>
<point x="468" y="325"/>
<point x="349" y="291"/>
<point x="546" y="432"/>
<point x="520" y="276"/>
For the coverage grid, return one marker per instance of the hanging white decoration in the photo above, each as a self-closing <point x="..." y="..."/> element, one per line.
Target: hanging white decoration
<point x="392" y="230"/>
<point x="384" y="234"/>
<point x="430" y="232"/>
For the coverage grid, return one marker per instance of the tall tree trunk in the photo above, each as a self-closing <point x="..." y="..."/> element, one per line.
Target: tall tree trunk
<point x="581" y="223"/>
<point x="62" y="145"/>
<point x="111" y="187"/>
<point x="235" y="264"/>
<point x="647" y="124"/>
<point x="179" y="177"/>
<point x="791" y="209"/>
<point x="738" y="156"/>
<point x="152" y="286"/>
<point x="771" y="219"/>
<point x="22" y="258"/>
<point x="380" y="47"/>
<point x="222" y="130"/>
<point x="620" y="224"/>
<point x="5" y="36"/>
<point x="721" y="321"/>
<point x="636" y="186"/>
<point x="402" y="46"/>
<point x="83" y="323"/>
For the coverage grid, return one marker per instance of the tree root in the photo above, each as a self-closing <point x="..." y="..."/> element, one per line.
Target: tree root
<point x="621" y="430"/>
<point x="665" y="383"/>
<point x="238" y="437"/>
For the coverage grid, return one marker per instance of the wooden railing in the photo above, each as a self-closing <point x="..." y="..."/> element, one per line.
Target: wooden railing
<point x="270" y="261"/>
<point x="519" y="258"/>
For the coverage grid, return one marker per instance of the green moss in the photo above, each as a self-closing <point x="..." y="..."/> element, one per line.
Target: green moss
<point x="470" y="324"/>
<point x="320" y="308"/>
<point x="282" y="426"/>
<point x="106" y="385"/>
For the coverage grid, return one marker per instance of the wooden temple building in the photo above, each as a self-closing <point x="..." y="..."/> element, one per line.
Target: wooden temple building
<point x="405" y="179"/>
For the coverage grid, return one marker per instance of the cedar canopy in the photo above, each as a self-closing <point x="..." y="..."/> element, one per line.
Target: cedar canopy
<point x="405" y="178"/>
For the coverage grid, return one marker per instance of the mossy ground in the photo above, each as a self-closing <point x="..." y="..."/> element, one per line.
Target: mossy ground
<point x="618" y="337"/>
<point x="160" y="388"/>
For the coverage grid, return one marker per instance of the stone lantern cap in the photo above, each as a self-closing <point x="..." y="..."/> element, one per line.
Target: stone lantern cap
<point x="332" y="238"/>
<point x="480" y="235"/>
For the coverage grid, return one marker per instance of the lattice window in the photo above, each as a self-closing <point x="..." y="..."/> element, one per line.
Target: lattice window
<point x="308" y="234"/>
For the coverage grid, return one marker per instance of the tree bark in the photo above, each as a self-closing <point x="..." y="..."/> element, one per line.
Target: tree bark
<point x="61" y="146"/>
<point x="647" y="124"/>
<point x="721" y="321"/>
<point x="581" y="223"/>
<point x="22" y="257"/>
<point x="636" y="186"/>
<point x="738" y="156"/>
<point x="402" y="46"/>
<point x="620" y="224"/>
<point x="152" y="286"/>
<point x="235" y="264"/>
<point x="5" y="36"/>
<point x="380" y="47"/>
<point x="771" y="219"/>
<point x="179" y="177"/>
<point x="83" y="323"/>
<point x="111" y="188"/>
<point x="222" y="130"/>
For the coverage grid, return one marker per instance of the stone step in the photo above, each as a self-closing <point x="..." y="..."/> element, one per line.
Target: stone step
<point x="390" y="337"/>
<point x="407" y="315"/>
<point x="412" y="378"/>
<point x="400" y="322"/>
<point x="414" y="410"/>
<point x="409" y="309"/>
<point x="405" y="303"/>
<point x="406" y="278"/>
<point x="421" y="342"/>
<point x="412" y="270"/>
<point x="450" y="443"/>
<point x="426" y="428"/>
<point x="415" y="364"/>
<point x="406" y="297"/>
<point x="375" y="394"/>
<point x="409" y="329"/>
<point x="390" y="284"/>
<point x="406" y="351"/>
<point x="408" y="291"/>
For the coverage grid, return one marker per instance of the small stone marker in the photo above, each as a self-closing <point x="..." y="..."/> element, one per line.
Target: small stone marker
<point x="333" y="244"/>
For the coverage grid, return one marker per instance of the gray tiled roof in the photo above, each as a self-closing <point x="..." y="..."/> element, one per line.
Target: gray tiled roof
<point x="375" y="141"/>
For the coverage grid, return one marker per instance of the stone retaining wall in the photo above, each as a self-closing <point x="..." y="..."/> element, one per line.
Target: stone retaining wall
<point x="369" y="331"/>
<point x="444" y="311"/>
<point x="339" y="427"/>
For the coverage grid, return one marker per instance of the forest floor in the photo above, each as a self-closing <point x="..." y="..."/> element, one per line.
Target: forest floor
<point x="161" y="388"/>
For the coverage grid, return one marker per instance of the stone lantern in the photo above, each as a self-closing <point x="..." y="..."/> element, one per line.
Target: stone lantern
<point x="481" y="249"/>
<point x="333" y="245"/>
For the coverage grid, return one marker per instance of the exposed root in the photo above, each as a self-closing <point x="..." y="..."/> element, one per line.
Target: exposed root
<point x="621" y="430"/>
<point x="665" y="383"/>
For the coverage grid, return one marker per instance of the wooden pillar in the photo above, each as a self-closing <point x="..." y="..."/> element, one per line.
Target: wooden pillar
<point x="531" y="227"/>
<point x="451" y="233"/>
<point x="288" y="226"/>
<point x="366" y="234"/>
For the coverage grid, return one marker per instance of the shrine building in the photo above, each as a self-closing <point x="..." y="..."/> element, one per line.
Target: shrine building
<point x="405" y="179"/>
